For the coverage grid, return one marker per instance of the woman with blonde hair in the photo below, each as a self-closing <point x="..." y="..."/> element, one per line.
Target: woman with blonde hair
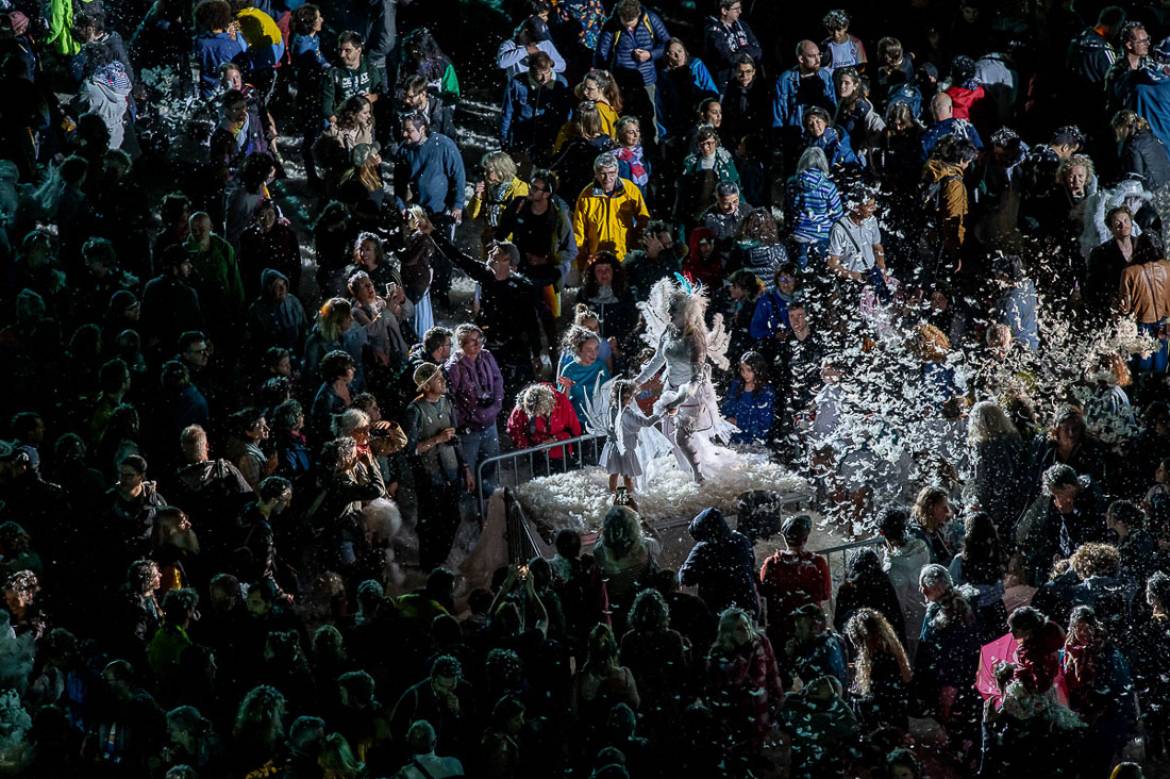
<point x="581" y="367"/>
<point x="743" y="681"/>
<point x="882" y="674"/>
<point x="416" y="264"/>
<point x="499" y="187"/>
<point x="334" y="330"/>
<point x="999" y="464"/>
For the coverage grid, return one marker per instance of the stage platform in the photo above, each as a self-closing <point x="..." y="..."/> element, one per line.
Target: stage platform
<point x="580" y="498"/>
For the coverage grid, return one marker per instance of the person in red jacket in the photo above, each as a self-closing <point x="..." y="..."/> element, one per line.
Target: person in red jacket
<point x="792" y="578"/>
<point x="542" y="415"/>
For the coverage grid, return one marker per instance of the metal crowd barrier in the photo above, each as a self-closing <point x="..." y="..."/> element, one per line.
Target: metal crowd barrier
<point x="514" y="458"/>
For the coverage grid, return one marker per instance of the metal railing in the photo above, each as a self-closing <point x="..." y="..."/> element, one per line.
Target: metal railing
<point x="837" y="572"/>
<point x="514" y="458"/>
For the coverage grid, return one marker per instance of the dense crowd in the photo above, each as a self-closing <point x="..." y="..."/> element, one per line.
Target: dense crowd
<point x="250" y="411"/>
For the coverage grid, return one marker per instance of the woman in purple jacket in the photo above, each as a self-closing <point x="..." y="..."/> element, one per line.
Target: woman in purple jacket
<point x="476" y="389"/>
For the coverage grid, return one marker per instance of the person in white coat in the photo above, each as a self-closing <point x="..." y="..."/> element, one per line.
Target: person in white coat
<point x="903" y="560"/>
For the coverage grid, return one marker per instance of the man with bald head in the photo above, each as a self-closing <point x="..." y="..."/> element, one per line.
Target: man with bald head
<point x="798" y="89"/>
<point x="946" y="124"/>
<point x="804" y="86"/>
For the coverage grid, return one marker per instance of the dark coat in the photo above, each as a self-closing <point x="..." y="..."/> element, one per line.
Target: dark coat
<point x="721" y="564"/>
<point x="1143" y="157"/>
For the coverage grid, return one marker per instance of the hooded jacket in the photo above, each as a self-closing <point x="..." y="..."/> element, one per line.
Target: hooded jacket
<point x="952" y="199"/>
<point x="275" y="323"/>
<point x="902" y="565"/>
<point x="532" y="114"/>
<point x="721" y="564"/>
<point x="604" y="221"/>
<point x="107" y="93"/>
<point x="615" y="48"/>
<point x="812" y="205"/>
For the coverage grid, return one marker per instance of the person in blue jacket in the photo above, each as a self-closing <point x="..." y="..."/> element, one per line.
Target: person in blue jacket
<point x="430" y="167"/>
<point x="727" y="35"/>
<point x="631" y="46"/>
<point x="683" y="83"/>
<point x="536" y="104"/>
<point x="820" y="132"/>
<point x="795" y="94"/>
<point x="750" y="401"/>
<point x="218" y="41"/>
<point x="771" y="314"/>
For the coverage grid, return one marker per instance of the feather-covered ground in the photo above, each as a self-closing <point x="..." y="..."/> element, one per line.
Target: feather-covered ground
<point x="579" y="499"/>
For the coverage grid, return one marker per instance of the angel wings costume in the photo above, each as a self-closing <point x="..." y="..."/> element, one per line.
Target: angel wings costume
<point x="675" y="327"/>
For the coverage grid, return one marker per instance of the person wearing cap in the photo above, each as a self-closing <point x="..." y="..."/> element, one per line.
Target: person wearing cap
<point x="721" y="564"/>
<point x="429" y="172"/>
<point x="530" y="37"/>
<point x="431" y="439"/>
<point x="792" y="577"/>
<point x="610" y="213"/>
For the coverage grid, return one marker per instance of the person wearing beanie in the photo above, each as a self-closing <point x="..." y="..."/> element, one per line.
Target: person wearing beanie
<point x="792" y="577"/>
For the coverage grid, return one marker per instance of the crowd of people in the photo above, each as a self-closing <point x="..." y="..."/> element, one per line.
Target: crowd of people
<point x="249" y="410"/>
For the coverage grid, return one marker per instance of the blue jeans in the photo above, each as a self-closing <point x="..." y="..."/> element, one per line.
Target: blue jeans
<point x="1158" y="361"/>
<point x="479" y="445"/>
<point x="803" y="253"/>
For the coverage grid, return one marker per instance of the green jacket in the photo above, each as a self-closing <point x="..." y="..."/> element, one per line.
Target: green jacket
<point x="216" y="277"/>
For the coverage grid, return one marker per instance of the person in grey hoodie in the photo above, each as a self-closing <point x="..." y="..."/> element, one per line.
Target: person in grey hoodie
<point x="903" y="559"/>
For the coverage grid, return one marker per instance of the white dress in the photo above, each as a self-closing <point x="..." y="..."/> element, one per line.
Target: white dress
<point x="626" y="460"/>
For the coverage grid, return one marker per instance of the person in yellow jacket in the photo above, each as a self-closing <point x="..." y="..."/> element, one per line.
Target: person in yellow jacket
<point x="609" y="213"/>
<point x="499" y="187"/>
<point x="599" y="86"/>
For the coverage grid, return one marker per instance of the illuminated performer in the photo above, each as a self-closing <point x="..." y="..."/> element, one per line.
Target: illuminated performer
<point x="674" y="316"/>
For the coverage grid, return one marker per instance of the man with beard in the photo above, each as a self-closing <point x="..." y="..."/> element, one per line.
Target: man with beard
<point x="257" y="558"/>
<point x="176" y="549"/>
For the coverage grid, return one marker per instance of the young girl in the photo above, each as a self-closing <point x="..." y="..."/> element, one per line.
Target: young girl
<point x="585" y="317"/>
<point x="750" y="401"/>
<point x="624" y="421"/>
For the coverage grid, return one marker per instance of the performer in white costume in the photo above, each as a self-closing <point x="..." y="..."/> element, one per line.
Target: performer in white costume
<point x="675" y="326"/>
